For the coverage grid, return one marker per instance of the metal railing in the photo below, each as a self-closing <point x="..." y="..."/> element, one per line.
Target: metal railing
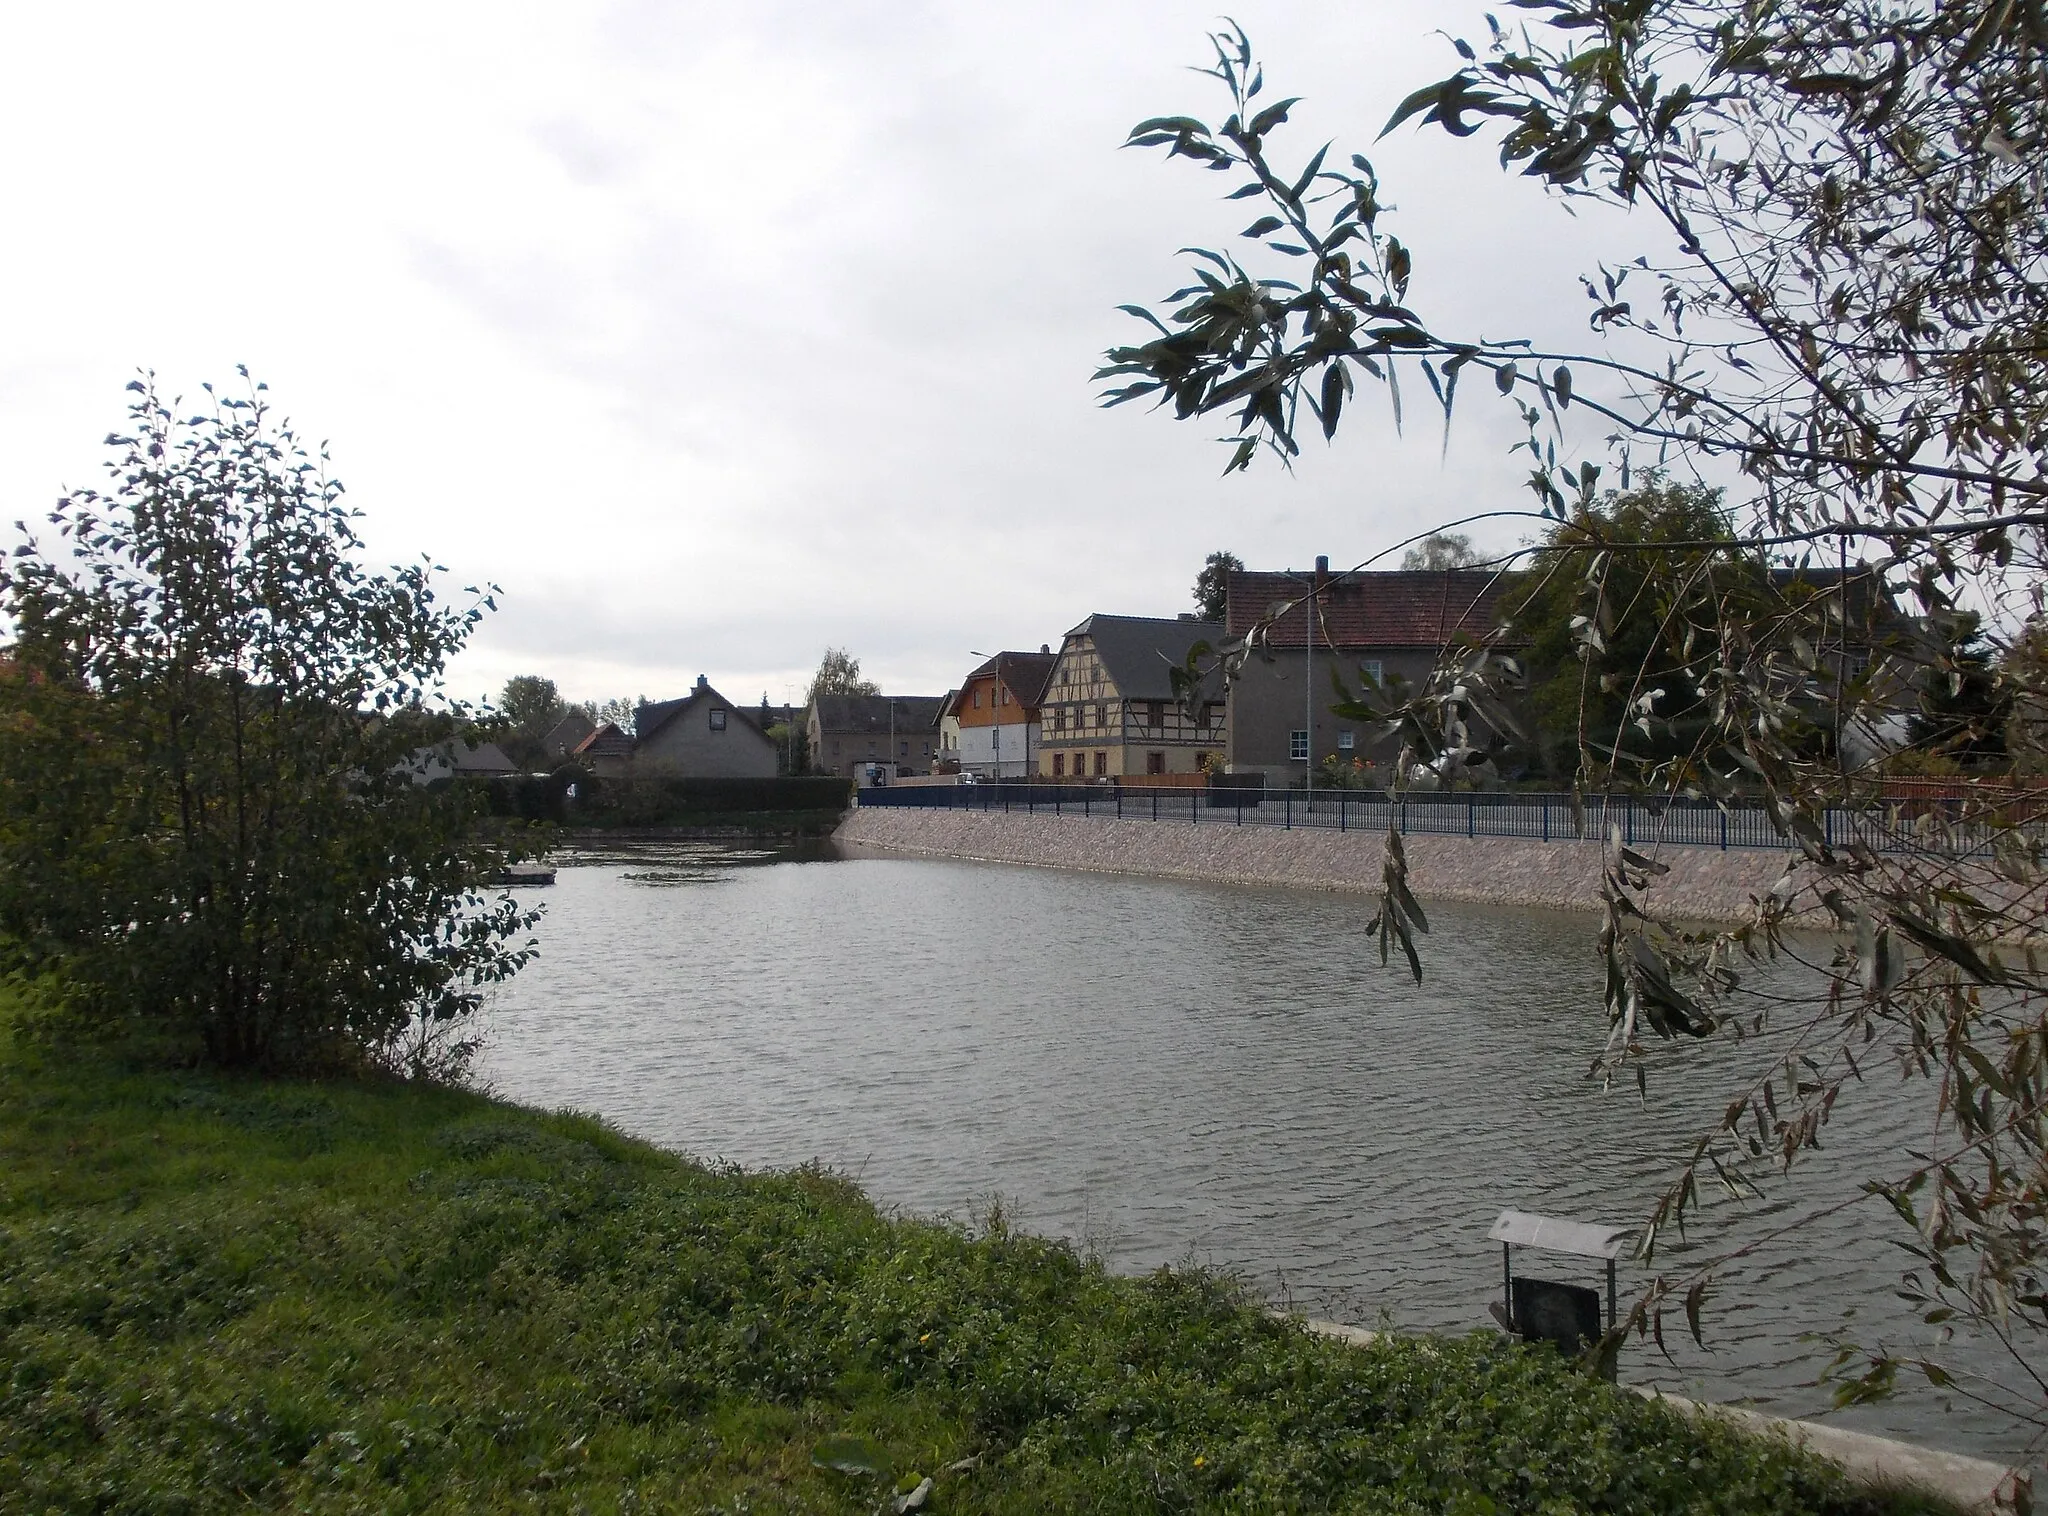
<point x="1546" y="817"/>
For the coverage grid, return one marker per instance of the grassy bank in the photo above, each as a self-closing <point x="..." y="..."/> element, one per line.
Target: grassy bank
<point x="216" y="1293"/>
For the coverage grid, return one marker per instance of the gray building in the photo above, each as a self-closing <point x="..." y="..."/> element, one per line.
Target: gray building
<point x="1367" y="627"/>
<point x="701" y="736"/>
<point x="847" y="731"/>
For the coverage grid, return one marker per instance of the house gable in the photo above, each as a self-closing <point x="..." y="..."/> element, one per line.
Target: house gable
<point x="1110" y="704"/>
<point x="702" y="735"/>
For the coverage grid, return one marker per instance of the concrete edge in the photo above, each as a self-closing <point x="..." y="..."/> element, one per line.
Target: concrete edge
<point x="1975" y="1484"/>
<point x="1428" y="879"/>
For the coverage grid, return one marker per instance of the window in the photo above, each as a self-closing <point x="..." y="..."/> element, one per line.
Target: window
<point x="977" y="699"/>
<point x="1155" y="763"/>
<point x="1297" y="746"/>
<point x="1155" y="716"/>
<point x="1101" y="764"/>
<point x="1373" y="671"/>
<point x="1346" y="741"/>
<point x="1059" y="765"/>
<point x="717" y="720"/>
<point x="903" y="749"/>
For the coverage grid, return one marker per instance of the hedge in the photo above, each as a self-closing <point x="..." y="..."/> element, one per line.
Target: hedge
<point x="659" y="802"/>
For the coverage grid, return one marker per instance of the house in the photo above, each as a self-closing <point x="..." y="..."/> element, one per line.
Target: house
<point x="562" y="738"/>
<point x="1373" y="626"/>
<point x="847" y="731"/>
<point x="947" y="759"/>
<point x="1109" y="709"/>
<point x="997" y="712"/>
<point x="461" y="760"/>
<point x="607" y="752"/>
<point x="701" y="736"/>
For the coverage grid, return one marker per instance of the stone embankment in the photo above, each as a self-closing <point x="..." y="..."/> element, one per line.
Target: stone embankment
<point x="1705" y="884"/>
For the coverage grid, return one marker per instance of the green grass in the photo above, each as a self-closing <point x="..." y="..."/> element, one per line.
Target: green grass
<point x="217" y="1294"/>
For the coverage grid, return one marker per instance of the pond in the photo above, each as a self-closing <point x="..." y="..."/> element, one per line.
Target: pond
<point x="1169" y="1072"/>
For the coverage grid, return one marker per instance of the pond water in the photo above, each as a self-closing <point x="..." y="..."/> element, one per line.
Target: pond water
<point x="1170" y="1072"/>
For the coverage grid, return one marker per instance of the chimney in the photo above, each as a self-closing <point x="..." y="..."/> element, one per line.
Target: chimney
<point x="1322" y="564"/>
<point x="703" y="683"/>
<point x="1045" y="647"/>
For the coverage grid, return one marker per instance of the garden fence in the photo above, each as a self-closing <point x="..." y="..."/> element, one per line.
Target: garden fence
<point x="1888" y="827"/>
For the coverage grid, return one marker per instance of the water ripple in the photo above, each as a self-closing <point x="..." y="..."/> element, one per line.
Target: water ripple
<point x="1170" y="1071"/>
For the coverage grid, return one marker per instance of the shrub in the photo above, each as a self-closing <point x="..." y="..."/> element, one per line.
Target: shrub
<point x="208" y="820"/>
<point x="659" y="801"/>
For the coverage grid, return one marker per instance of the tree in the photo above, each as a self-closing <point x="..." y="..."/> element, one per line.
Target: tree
<point x="621" y="711"/>
<point x="531" y="704"/>
<point x="1212" y="585"/>
<point x="792" y="747"/>
<point x="839" y="674"/>
<point x="1844" y="312"/>
<point x="528" y="709"/>
<point x="1964" y="706"/>
<point x="1592" y="678"/>
<point x="1439" y="551"/>
<point x="210" y="829"/>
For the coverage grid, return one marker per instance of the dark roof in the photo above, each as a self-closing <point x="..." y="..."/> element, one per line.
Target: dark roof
<point x="869" y="715"/>
<point x="1422" y="608"/>
<point x="563" y="736"/>
<point x="1024" y="675"/>
<point x="1138" y="652"/>
<point x="606" y="742"/>
<point x="484" y="758"/>
<point x="1864" y="594"/>
<point x="652" y="717"/>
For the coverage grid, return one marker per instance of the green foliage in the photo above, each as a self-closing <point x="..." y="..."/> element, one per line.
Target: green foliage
<point x="1964" y="707"/>
<point x="621" y="711"/>
<point x="1617" y="658"/>
<point x="839" y="674"/>
<point x="216" y="1294"/>
<point x="209" y="829"/>
<point x="1439" y="551"/>
<point x="792" y="741"/>
<point x="1212" y="585"/>
<point x="531" y="703"/>
<point x="528" y="709"/>
<point x="1847" y="320"/>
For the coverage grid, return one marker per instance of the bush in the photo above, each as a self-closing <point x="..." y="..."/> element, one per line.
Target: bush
<point x="660" y="802"/>
<point x="208" y="820"/>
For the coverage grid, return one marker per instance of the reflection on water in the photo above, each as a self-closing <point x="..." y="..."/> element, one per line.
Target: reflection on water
<point x="1171" y="1071"/>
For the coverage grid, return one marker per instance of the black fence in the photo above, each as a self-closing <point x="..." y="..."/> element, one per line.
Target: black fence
<point x="1549" y="818"/>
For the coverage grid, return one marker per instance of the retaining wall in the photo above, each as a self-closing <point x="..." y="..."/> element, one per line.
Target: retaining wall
<point x="1704" y="884"/>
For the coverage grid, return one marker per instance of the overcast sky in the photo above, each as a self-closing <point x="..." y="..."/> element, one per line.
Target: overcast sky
<point x="717" y="334"/>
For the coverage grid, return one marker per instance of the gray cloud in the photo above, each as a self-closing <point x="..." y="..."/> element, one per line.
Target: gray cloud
<point x="717" y="334"/>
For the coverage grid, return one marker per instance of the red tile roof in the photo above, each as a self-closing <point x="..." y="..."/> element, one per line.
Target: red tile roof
<point x="1420" y="609"/>
<point x="608" y="741"/>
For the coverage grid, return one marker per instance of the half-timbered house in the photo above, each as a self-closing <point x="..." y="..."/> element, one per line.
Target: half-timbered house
<point x="1110" y="711"/>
